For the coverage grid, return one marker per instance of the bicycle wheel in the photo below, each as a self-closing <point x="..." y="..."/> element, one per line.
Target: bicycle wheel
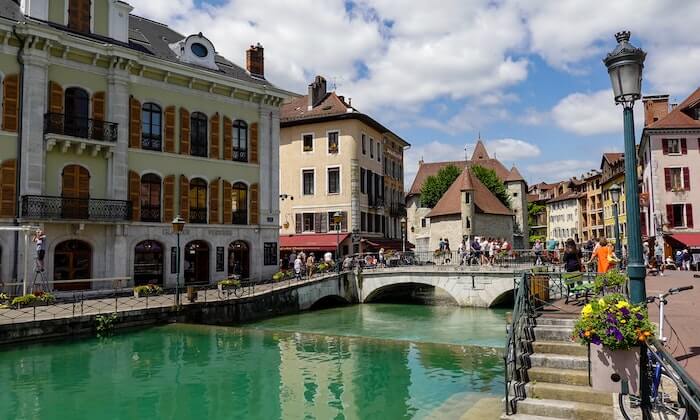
<point x="665" y="399"/>
<point x="629" y="406"/>
<point x="237" y="291"/>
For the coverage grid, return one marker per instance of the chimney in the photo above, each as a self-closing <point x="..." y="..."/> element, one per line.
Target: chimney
<point x="255" y="61"/>
<point x="317" y="91"/>
<point x="655" y="108"/>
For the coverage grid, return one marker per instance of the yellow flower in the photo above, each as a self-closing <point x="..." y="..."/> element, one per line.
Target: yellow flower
<point x="622" y="304"/>
<point x="586" y="311"/>
<point x="622" y="321"/>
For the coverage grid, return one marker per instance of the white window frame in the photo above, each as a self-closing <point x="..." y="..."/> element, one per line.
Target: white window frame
<point x="680" y="150"/>
<point x="331" y="226"/>
<point x="682" y="177"/>
<point x="684" y="207"/>
<point x="340" y="179"/>
<point x="328" y="139"/>
<point x="313" y="221"/>
<point x="313" y="143"/>
<point x="301" y="178"/>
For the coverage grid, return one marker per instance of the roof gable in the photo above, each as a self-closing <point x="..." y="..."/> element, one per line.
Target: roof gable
<point x="485" y="201"/>
<point x="677" y="118"/>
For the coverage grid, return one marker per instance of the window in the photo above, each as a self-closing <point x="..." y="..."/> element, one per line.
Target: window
<point x="333" y="180"/>
<point x="240" y="141"/>
<point x="678" y="213"/>
<point x="515" y="194"/>
<point x="371" y="148"/>
<point x="270" y="253"/>
<point x="308" y="141"/>
<point x="673" y="146"/>
<point x="467" y="198"/>
<point x="676" y="175"/>
<point x="467" y="223"/>
<point x="423" y="222"/>
<point x="77" y="106"/>
<point x="199" y="50"/>
<point x="308" y="222"/>
<point x="364" y="144"/>
<point x="370" y="222"/>
<point x="308" y="181"/>
<point x="79" y="15"/>
<point x="198" y="201"/>
<point x="332" y="225"/>
<point x="150" y="198"/>
<point x="239" y="203"/>
<point x="362" y="180"/>
<point x="198" y="134"/>
<point x="151" y="127"/>
<point x="379" y="151"/>
<point x="363" y="222"/>
<point x="378" y="223"/>
<point x="333" y="142"/>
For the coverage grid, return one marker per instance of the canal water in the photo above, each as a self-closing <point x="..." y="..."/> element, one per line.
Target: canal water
<point x="378" y="361"/>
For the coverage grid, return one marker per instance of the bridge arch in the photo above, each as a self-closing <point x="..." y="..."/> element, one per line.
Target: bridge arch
<point x="329" y="301"/>
<point x="506" y="298"/>
<point x="374" y="287"/>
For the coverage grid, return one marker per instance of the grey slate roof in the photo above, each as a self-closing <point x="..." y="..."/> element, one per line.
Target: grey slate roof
<point x="9" y="9"/>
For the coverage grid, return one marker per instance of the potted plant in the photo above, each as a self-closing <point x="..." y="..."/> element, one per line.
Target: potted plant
<point x="614" y="281"/>
<point x="279" y="276"/>
<point x="33" y="299"/>
<point x="616" y="328"/>
<point x="147" y="290"/>
<point x="3" y="300"/>
<point x="226" y="284"/>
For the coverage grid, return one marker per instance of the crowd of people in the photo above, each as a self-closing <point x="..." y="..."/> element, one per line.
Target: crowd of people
<point x="481" y="250"/>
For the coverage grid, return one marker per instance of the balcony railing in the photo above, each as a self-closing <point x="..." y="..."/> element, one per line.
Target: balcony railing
<point x="47" y="207"/>
<point x="240" y="155"/>
<point x="240" y="217"/>
<point x="198" y="215"/>
<point x="150" y="213"/>
<point x="82" y="127"/>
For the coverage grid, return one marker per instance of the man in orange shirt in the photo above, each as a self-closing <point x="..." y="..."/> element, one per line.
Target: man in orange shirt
<point x="602" y="252"/>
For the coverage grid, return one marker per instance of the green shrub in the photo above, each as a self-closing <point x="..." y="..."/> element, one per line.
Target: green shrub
<point x="25" y="300"/>
<point x="279" y="276"/>
<point x="613" y="280"/>
<point x="148" y="290"/>
<point x="230" y="283"/>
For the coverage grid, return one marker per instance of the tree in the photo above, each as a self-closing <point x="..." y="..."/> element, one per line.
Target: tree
<point x="533" y="210"/>
<point x="491" y="181"/>
<point x="435" y="185"/>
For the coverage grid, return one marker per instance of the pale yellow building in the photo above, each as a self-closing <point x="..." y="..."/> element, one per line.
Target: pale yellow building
<point x="335" y="159"/>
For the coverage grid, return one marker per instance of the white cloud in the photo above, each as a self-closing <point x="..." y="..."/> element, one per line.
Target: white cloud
<point x="435" y="151"/>
<point x="512" y="149"/>
<point x="532" y="116"/>
<point x="558" y="170"/>
<point x="594" y="113"/>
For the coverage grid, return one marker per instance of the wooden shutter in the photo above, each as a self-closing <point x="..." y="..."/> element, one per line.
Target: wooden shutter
<point x="667" y="178"/>
<point x="79" y="15"/>
<point x="184" y="198"/>
<point x="298" y="223"/>
<point x="55" y="98"/>
<point x="686" y="179"/>
<point x="10" y="103"/>
<point x="135" y="195"/>
<point x="214" y="136"/>
<point x="170" y="129"/>
<point x="669" y="214"/>
<point x="98" y="106"/>
<point x="254" y="204"/>
<point x="684" y="147"/>
<point x="8" y="184"/>
<point x="317" y="222"/>
<point x="134" y="123"/>
<point x="226" y="213"/>
<point x="664" y="145"/>
<point x="184" y="132"/>
<point x="324" y="222"/>
<point x="228" y="134"/>
<point x="214" y="201"/>
<point x="689" y="215"/>
<point x="344" y="221"/>
<point x="168" y="198"/>
<point x="254" y="143"/>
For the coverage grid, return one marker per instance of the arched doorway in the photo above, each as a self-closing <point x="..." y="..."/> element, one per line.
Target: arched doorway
<point x="77" y="108"/>
<point x="72" y="260"/>
<point x="75" y="192"/>
<point x="196" y="262"/>
<point x="148" y="263"/>
<point x="239" y="259"/>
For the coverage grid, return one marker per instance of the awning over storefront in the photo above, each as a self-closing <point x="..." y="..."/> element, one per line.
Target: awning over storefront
<point x="690" y="240"/>
<point x="377" y="243"/>
<point x="312" y="241"/>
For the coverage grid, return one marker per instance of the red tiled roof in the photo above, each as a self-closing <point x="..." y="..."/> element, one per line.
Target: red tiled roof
<point x="485" y="201"/>
<point x="569" y="195"/>
<point x="297" y="108"/>
<point x="514" y="175"/>
<point x="613" y="157"/>
<point x="677" y="118"/>
<point x="480" y="152"/>
<point x="312" y="241"/>
<point x="427" y="169"/>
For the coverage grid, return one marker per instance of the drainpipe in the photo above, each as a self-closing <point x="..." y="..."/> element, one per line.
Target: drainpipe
<point x="20" y="60"/>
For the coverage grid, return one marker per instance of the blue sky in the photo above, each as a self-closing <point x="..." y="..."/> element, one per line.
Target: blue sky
<point x="526" y="75"/>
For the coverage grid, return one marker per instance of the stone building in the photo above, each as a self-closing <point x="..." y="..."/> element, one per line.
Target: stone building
<point x="468" y="208"/>
<point x="336" y="159"/>
<point x="563" y="212"/>
<point x="113" y="125"/>
<point x="612" y="168"/>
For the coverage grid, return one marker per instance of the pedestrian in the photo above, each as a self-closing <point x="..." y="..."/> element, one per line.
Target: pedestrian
<point x="646" y="252"/>
<point x="572" y="257"/>
<point x="601" y="255"/>
<point x="292" y="257"/>
<point x="40" y="240"/>
<point x="347" y="263"/>
<point x="537" y="250"/>
<point x="686" y="259"/>
<point x="679" y="260"/>
<point x="310" y="262"/>
<point x="297" y="268"/>
<point x="441" y="245"/>
<point x="475" y="248"/>
<point x="302" y="255"/>
<point x="381" y="258"/>
<point x="328" y="258"/>
<point x="659" y="257"/>
<point x="462" y="252"/>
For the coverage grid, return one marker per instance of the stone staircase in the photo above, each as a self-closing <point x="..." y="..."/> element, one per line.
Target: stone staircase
<point x="558" y="387"/>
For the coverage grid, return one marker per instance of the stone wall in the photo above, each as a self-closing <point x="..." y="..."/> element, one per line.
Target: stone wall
<point x="493" y="226"/>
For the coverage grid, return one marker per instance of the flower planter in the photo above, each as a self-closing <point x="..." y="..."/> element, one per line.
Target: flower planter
<point x="138" y="294"/>
<point x="610" y="367"/>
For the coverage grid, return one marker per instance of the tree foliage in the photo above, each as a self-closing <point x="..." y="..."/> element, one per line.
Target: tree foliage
<point x="533" y="210"/>
<point x="435" y="185"/>
<point x="491" y="181"/>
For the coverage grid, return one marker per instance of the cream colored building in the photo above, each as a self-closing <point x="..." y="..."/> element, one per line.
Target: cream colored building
<point x="333" y="159"/>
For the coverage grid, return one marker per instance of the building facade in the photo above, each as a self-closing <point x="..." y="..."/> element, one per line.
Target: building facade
<point x="612" y="168"/>
<point x="669" y="156"/>
<point x="563" y="212"/>
<point x="591" y="205"/>
<point x="113" y="125"/>
<point x="335" y="159"/>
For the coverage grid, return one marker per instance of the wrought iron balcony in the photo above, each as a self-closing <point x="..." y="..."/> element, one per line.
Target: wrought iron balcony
<point x="43" y="207"/>
<point x="81" y="127"/>
<point x="198" y="215"/>
<point x="150" y="213"/>
<point x="240" y="217"/>
<point x="240" y="155"/>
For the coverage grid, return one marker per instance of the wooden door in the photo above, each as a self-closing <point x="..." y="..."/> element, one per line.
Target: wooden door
<point x="72" y="261"/>
<point x="75" y="192"/>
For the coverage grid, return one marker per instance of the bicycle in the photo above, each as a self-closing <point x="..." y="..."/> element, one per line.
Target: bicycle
<point x="660" y="400"/>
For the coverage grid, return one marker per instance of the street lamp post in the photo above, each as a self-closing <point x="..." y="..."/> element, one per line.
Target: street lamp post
<point x="625" y="64"/>
<point x="403" y="234"/>
<point x="337" y="219"/>
<point x="615" y="195"/>
<point x="178" y="226"/>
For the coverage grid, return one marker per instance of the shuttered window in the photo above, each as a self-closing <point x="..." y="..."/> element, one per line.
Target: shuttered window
<point x="151" y="127"/>
<point x="168" y="198"/>
<point x="254" y="204"/>
<point x="10" y="103"/>
<point x="254" y="143"/>
<point x="215" y="137"/>
<point x="226" y="193"/>
<point x="228" y="136"/>
<point x="8" y="182"/>
<point x="170" y="129"/>
<point x="134" y="195"/>
<point x="184" y="197"/>
<point x="198" y="134"/>
<point x="239" y="203"/>
<point x="79" y="15"/>
<point x="184" y="132"/>
<point x="214" y="201"/>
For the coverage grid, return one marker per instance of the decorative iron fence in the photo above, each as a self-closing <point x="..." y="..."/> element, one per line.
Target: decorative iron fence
<point x="198" y="215"/>
<point x="50" y="207"/>
<point x="240" y="155"/>
<point x="150" y="213"/>
<point x="82" y="127"/>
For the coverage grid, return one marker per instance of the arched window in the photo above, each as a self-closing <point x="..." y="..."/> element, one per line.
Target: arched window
<point x="75" y="192"/>
<point x="151" y="127"/>
<point x="148" y="263"/>
<point x="77" y="109"/>
<point x="240" y="141"/>
<point x="198" y="134"/>
<point x="239" y="203"/>
<point x="150" y="198"/>
<point x="79" y="15"/>
<point x="238" y="259"/>
<point x="198" y="201"/>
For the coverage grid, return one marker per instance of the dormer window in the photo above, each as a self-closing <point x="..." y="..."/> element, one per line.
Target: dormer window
<point x="199" y="50"/>
<point x="79" y="15"/>
<point x="196" y="49"/>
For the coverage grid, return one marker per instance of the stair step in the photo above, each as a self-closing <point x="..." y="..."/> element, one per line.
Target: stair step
<point x="578" y="393"/>
<point x="565" y="409"/>
<point x="559" y="361"/>
<point x="553" y="333"/>
<point x="558" y="376"/>
<point x="528" y="417"/>
<point x="559" y="347"/>
<point x="559" y="322"/>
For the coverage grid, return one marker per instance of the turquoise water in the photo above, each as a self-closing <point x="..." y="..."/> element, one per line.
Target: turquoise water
<point x="357" y="362"/>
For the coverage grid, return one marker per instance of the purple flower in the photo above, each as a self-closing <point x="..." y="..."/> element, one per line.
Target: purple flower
<point x="639" y="316"/>
<point x="612" y="319"/>
<point x="595" y="339"/>
<point x="625" y="312"/>
<point x="614" y="331"/>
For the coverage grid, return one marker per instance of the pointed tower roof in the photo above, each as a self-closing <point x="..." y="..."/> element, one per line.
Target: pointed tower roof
<point x="480" y="152"/>
<point x="514" y="176"/>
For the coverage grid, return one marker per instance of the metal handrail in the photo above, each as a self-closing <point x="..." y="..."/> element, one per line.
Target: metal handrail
<point x="82" y="127"/>
<point x="686" y="385"/>
<point x="520" y="334"/>
<point x="54" y="207"/>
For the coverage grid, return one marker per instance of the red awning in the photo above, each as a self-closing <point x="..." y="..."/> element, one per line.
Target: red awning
<point x="395" y="244"/>
<point x="691" y="240"/>
<point x="312" y="241"/>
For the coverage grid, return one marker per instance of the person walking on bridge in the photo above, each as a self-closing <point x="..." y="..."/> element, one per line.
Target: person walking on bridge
<point x="602" y="255"/>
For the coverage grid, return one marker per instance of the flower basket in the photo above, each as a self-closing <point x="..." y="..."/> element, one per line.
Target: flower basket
<point x="33" y="299"/>
<point x="614" y="281"/>
<point x="147" y="290"/>
<point x="227" y="284"/>
<point x="610" y="367"/>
